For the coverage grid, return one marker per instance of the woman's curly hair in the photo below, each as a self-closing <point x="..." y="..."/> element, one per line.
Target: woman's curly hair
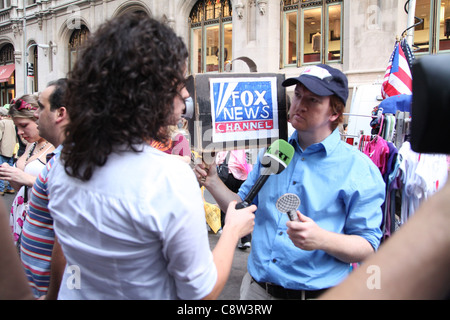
<point x="121" y="91"/>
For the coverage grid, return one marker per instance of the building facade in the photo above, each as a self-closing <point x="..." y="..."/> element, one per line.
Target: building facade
<point x="281" y="36"/>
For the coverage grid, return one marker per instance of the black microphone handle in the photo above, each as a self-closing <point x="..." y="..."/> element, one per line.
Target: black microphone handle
<point x="254" y="190"/>
<point x="242" y="205"/>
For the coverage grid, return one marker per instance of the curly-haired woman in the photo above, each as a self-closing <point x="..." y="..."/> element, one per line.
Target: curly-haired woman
<point x="130" y="218"/>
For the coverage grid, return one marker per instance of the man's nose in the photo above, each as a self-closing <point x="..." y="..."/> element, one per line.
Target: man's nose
<point x="300" y="105"/>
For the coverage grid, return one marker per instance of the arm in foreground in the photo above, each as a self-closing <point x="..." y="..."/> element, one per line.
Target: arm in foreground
<point x="238" y="223"/>
<point x="13" y="282"/>
<point x="412" y="264"/>
<point x="207" y="177"/>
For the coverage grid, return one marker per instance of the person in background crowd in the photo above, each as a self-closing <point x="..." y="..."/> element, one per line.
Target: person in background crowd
<point x="341" y="193"/>
<point x="23" y="174"/>
<point x="8" y="143"/>
<point x="39" y="253"/>
<point x="177" y="144"/>
<point x="235" y="170"/>
<point x="180" y="137"/>
<point x="129" y="217"/>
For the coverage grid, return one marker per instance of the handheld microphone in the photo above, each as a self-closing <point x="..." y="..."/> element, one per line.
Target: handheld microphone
<point x="275" y="160"/>
<point x="288" y="203"/>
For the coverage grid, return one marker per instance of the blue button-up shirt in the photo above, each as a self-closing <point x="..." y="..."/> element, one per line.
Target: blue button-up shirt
<point x="340" y="189"/>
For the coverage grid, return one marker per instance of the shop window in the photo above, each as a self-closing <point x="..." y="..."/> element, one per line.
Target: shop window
<point x="311" y="32"/>
<point x="290" y="38"/>
<point x="211" y="44"/>
<point x="433" y="34"/>
<point x="36" y="70"/>
<point x="7" y="54"/>
<point x="444" y="26"/>
<point x="7" y="84"/>
<point x="422" y="32"/>
<point x="76" y="42"/>
<point x="5" y="4"/>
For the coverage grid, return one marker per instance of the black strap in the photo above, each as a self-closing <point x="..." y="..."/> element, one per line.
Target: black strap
<point x="227" y="158"/>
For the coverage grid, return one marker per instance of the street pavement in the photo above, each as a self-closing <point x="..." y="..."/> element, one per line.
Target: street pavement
<point x="239" y="267"/>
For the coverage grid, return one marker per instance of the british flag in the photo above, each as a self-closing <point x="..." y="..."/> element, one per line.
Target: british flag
<point x="398" y="78"/>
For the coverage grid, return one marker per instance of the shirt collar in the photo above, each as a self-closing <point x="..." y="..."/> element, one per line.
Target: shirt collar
<point x="51" y="154"/>
<point x="327" y="145"/>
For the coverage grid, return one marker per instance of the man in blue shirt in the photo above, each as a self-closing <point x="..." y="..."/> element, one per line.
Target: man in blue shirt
<point x="340" y="189"/>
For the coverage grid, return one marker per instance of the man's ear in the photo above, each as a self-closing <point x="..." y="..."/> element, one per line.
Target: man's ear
<point x="61" y="114"/>
<point x="334" y="116"/>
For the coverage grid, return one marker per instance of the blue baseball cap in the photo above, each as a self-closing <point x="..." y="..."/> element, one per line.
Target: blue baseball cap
<point x="322" y="80"/>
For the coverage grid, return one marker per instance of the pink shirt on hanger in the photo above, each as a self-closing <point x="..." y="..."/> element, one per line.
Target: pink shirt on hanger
<point x="378" y="151"/>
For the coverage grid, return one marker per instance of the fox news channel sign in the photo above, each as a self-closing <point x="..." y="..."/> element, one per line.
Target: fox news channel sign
<point x="244" y="108"/>
<point x="240" y="110"/>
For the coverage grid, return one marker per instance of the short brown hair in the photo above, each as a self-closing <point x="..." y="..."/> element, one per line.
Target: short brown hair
<point x="337" y="106"/>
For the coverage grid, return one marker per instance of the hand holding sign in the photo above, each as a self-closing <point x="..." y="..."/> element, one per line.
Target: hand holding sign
<point x="205" y="173"/>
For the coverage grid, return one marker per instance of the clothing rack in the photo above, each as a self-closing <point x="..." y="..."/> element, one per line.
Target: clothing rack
<point x="358" y="136"/>
<point x="402" y="128"/>
<point x="394" y="129"/>
<point x="358" y="115"/>
<point x="401" y="132"/>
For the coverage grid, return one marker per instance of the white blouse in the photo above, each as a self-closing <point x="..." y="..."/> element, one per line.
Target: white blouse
<point x="135" y="230"/>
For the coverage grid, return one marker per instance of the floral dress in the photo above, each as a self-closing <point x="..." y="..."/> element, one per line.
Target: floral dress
<point x="19" y="207"/>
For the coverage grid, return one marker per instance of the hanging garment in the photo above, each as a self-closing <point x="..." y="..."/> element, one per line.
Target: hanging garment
<point x="363" y="141"/>
<point x="378" y="151"/>
<point x="422" y="175"/>
<point x="432" y="169"/>
<point x="390" y="178"/>
<point x="392" y="186"/>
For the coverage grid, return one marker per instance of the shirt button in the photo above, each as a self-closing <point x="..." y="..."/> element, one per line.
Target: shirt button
<point x="303" y="159"/>
<point x="294" y="182"/>
<point x="274" y="260"/>
<point x="281" y="233"/>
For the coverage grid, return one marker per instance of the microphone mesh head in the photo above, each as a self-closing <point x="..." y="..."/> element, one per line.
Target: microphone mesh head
<point x="288" y="202"/>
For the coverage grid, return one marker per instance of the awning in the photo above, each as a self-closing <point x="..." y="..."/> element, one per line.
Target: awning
<point x="6" y="71"/>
